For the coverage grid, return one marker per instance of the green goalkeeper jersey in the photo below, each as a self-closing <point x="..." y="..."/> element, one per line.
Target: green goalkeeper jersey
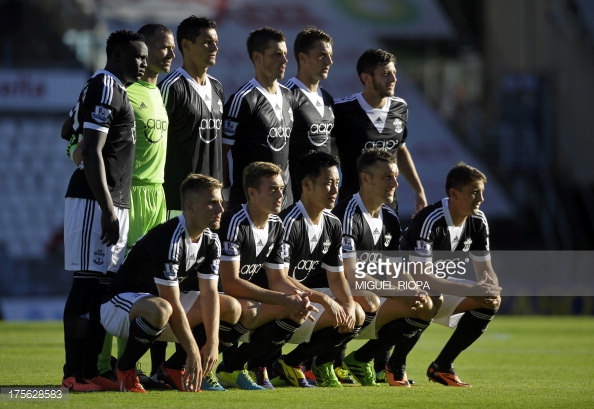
<point x="151" y="133"/>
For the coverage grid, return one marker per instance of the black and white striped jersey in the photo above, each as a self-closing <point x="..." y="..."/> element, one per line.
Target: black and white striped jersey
<point x="312" y="126"/>
<point x="311" y="250"/>
<point x="195" y="130"/>
<point x="258" y="127"/>
<point x="432" y="230"/>
<point x="167" y="256"/>
<point x="357" y="126"/>
<point x="254" y="248"/>
<point x="361" y="232"/>
<point x="103" y="105"/>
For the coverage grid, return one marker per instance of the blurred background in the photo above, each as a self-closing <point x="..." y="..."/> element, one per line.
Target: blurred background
<point x="504" y="85"/>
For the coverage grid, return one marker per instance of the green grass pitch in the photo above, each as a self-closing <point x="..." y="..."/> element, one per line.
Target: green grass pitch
<point x="520" y="362"/>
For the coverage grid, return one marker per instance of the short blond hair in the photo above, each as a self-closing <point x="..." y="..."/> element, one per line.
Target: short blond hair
<point x="196" y="182"/>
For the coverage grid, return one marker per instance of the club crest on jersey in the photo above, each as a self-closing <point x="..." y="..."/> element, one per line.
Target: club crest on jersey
<point x="387" y="239"/>
<point x="348" y="244"/>
<point x="229" y="127"/>
<point x="285" y="251"/>
<point x="170" y="270"/>
<point x="214" y="267"/>
<point x="398" y="125"/>
<point x="467" y="244"/>
<point x="99" y="257"/>
<point x="101" y="114"/>
<point x="326" y="246"/>
<point x="230" y="248"/>
<point x="423" y="248"/>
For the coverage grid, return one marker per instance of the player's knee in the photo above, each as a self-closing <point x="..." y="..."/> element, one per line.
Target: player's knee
<point x="369" y="302"/>
<point x="249" y="313"/>
<point x="160" y="313"/>
<point x="230" y="309"/>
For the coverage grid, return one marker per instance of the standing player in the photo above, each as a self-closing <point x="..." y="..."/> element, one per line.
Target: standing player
<point x="194" y="103"/>
<point x="374" y="118"/>
<point x="454" y="224"/>
<point x="144" y="300"/>
<point x="259" y="116"/>
<point x="313" y="119"/>
<point x="147" y="199"/>
<point x="370" y="225"/>
<point x="98" y="199"/>
<point x="252" y="270"/>
<point x="148" y="207"/>
<point x="312" y="241"/>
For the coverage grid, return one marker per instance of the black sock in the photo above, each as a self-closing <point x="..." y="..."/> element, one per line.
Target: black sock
<point x="177" y="360"/>
<point x="230" y="334"/>
<point x="397" y="360"/>
<point x="264" y="342"/>
<point x="140" y="338"/>
<point x="96" y="336"/>
<point x="272" y="340"/>
<point x="158" y="355"/>
<point x="323" y="340"/>
<point x="381" y="359"/>
<point x="471" y="326"/>
<point x="199" y="333"/>
<point x="340" y="342"/>
<point x="369" y="316"/>
<point x="338" y="356"/>
<point x="340" y="353"/>
<point x="78" y="328"/>
<point x="390" y="334"/>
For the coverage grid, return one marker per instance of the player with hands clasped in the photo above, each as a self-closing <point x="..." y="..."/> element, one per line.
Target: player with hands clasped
<point x="312" y="241"/>
<point x="253" y="271"/>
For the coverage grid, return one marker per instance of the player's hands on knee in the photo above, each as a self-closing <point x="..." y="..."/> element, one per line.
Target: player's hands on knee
<point x="299" y="306"/>
<point x="351" y="320"/>
<point x="340" y="317"/>
<point x="486" y="287"/>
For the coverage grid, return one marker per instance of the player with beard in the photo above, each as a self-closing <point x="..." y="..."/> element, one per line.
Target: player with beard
<point x="314" y="117"/>
<point x="372" y="227"/>
<point x="258" y="118"/>
<point x="374" y="118"/>
<point x="194" y="102"/>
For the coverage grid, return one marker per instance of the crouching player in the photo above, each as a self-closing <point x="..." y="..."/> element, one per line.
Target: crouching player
<point x="144" y="302"/>
<point x="312" y="242"/>
<point x="371" y="226"/>
<point x="454" y="224"/>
